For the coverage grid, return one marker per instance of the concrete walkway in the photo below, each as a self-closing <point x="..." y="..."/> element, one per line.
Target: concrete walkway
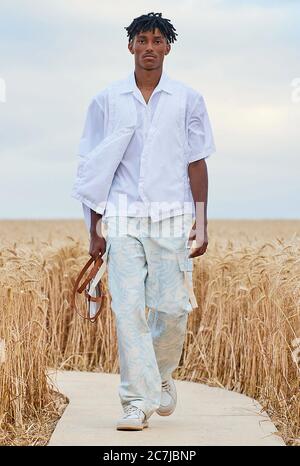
<point x="204" y="416"/>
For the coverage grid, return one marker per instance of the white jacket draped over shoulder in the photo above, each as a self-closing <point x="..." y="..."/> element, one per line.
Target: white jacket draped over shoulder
<point x="171" y="144"/>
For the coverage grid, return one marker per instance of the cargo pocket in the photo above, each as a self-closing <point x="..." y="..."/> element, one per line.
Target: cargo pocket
<point x="185" y="263"/>
<point x="186" y="266"/>
<point x="106" y="255"/>
<point x="106" y="258"/>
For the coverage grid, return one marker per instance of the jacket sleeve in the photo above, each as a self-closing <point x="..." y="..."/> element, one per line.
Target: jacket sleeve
<point x="200" y="136"/>
<point x="93" y="130"/>
<point x="92" y="135"/>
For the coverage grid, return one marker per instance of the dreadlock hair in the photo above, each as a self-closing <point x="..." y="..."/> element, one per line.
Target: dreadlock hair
<point x="150" y="22"/>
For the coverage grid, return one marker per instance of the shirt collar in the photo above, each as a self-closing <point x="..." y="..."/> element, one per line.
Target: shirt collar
<point x="163" y="85"/>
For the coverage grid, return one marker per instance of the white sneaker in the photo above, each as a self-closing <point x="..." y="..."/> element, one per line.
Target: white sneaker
<point x="168" y="398"/>
<point x="133" y="419"/>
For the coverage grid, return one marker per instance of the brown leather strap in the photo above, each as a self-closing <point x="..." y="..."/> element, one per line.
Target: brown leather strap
<point x="92" y="273"/>
<point x="79" y="287"/>
<point x="95" y="299"/>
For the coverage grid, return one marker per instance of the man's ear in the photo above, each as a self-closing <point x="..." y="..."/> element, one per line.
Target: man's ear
<point x="130" y="47"/>
<point x="168" y="49"/>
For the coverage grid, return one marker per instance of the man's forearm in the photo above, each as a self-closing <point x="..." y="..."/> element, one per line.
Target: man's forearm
<point x="199" y="186"/>
<point x="95" y="226"/>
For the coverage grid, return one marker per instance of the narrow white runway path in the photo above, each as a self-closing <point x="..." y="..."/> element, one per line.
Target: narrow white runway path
<point x="203" y="416"/>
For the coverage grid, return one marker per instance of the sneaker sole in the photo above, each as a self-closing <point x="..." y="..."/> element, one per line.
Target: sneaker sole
<point x="129" y="426"/>
<point x="165" y="413"/>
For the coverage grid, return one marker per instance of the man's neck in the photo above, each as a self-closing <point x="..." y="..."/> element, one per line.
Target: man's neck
<point x="147" y="80"/>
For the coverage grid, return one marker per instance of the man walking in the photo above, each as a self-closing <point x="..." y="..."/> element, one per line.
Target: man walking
<point x="142" y="174"/>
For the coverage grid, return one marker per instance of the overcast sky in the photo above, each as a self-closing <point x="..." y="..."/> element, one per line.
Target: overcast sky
<point x="243" y="56"/>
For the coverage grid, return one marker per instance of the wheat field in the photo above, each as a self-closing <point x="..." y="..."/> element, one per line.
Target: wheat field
<point x="245" y="335"/>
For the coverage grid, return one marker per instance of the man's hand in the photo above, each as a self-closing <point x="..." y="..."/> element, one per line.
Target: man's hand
<point x="199" y="185"/>
<point x="97" y="245"/>
<point x="97" y="241"/>
<point x="201" y="241"/>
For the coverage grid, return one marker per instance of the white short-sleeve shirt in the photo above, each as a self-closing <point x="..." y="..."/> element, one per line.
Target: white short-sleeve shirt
<point x="127" y="177"/>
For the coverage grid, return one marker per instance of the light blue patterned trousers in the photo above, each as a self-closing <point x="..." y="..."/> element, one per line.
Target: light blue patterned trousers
<point x="147" y="264"/>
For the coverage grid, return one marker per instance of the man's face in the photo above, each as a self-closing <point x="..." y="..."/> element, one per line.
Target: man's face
<point x="149" y="49"/>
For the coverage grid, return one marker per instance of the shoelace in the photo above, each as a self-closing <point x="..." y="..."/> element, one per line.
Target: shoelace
<point x="166" y="387"/>
<point x="132" y="409"/>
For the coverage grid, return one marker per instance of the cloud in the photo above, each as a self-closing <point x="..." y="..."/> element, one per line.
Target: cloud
<point x="241" y="55"/>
